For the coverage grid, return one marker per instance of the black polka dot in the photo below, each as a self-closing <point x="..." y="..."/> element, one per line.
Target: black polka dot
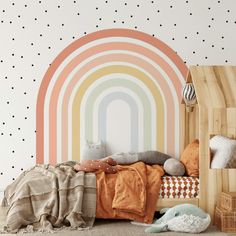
<point x="19" y="68"/>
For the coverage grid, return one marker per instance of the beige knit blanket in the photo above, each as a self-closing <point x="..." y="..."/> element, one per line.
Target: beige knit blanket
<point x="47" y="197"/>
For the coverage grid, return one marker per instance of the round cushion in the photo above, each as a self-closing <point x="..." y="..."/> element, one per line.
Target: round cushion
<point x="173" y="166"/>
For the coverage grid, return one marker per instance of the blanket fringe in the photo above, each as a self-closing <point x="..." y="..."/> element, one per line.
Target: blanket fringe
<point x="32" y="229"/>
<point x="4" y="202"/>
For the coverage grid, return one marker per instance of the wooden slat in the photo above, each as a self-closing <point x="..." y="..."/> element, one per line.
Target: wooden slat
<point x="230" y="74"/>
<point x="217" y="121"/>
<point x="214" y="92"/>
<point x="225" y="180"/>
<point x="232" y="180"/>
<point x="225" y="85"/>
<point x="203" y="156"/>
<point x="192" y="123"/>
<point x="231" y="130"/>
<point x="199" y="82"/>
<point x="231" y="122"/>
<point x="182" y="127"/>
<point x="169" y="202"/>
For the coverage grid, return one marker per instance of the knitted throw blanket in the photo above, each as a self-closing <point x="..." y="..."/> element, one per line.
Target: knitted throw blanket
<point x="47" y="197"/>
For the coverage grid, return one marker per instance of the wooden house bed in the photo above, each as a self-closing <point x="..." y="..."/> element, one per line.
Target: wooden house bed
<point x="214" y="113"/>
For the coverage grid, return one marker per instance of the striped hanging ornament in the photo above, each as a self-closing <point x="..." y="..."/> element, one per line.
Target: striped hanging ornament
<point x="189" y="94"/>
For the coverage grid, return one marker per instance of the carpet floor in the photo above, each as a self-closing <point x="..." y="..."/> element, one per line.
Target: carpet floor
<point x="114" y="228"/>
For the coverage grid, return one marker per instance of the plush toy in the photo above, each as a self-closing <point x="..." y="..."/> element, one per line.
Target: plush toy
<point x="186" y="218"/>
<point x="148" y="157"/>
<point x="108" y="165"/>
<point x="174" y="167"/>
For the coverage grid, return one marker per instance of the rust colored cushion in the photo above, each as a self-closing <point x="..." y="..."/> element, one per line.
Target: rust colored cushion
<point x="190" y="158"/>
<point x="108" y="165"/>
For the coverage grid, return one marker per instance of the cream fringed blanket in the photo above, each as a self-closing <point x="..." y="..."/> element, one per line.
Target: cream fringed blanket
<point x="48" y="197"/>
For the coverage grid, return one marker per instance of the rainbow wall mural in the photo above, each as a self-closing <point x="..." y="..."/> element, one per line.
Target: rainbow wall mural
<point x="120" y="86"/>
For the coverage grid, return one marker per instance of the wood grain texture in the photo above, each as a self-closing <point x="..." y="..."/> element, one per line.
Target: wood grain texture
<point x="214" y="85"/>
<point x="169" y="202"/>
<point x="215" y="88"/>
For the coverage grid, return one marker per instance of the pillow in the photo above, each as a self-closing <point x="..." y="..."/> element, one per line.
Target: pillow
<point x="148" y="157"/>
<point x="107" y="165"/>
<point x="125" y="158"/>
<point x="153" y="157"/>
<point x="93" y="151"/>
<point x="224" y="152"/>
<point x="173" y="166"/>
<point x="190" y="158"/>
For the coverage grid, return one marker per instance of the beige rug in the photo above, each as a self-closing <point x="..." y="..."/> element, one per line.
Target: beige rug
<point x="115" y="228"/>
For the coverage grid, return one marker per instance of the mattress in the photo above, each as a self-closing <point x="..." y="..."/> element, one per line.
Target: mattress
<point x="179" y="187"/>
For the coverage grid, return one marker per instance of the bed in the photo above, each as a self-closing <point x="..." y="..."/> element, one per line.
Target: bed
<point x="178" y="190"/>
<point x="126" y="107"/>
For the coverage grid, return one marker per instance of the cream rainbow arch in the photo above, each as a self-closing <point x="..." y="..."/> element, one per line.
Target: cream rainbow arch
<point x="120" y="86"/>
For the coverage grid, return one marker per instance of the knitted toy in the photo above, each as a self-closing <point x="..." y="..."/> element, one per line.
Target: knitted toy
<point x="107" y="165"/>
<point x="186" y="218"/>
<point x="148" y="157"/>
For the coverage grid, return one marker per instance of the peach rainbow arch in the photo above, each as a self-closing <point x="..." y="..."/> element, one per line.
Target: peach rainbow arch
<point x="104" y="34"/>
<point x="151" y="85"/>
<point x="93" y="63"/>
<point x="109" y="70"/>
<point x="89" y="106"/>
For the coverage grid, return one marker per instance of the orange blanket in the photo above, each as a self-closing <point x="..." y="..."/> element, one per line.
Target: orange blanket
<point x="131" y="193"/>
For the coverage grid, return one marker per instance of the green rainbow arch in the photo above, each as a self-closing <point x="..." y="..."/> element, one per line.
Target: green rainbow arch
<point x="119" y="82"/>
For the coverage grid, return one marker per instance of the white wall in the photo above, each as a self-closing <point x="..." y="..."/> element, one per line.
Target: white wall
<point x="34" y="32"/>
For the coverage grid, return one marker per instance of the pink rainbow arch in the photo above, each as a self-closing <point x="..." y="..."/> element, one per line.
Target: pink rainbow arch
<point x="77" y="44"/>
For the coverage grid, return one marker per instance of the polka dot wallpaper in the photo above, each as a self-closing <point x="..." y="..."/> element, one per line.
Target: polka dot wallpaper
<point x="34" y="32"/>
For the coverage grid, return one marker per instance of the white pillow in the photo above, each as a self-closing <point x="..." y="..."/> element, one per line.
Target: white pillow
<point x="93" y="151"/>
<point x="224" y="152"/>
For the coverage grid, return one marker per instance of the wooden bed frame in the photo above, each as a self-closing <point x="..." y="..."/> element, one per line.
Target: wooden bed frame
<point x="214" y="113"/>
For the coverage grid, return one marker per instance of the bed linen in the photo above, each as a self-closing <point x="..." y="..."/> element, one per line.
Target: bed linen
<point x="131" y="193"/>
<point x="179" y="187"/>
<point x="46" y="196"/>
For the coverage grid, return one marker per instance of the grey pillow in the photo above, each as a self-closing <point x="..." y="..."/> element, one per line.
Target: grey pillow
<point x="94" y="151"/>
<point x="148" y="157"/>
<point x="125" y="158"/>
<point x="173" y="166"/>
<point x="153" y="157"/>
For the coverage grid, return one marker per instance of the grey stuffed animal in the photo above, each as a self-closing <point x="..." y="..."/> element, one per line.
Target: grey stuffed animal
<point x="148" y="157"/>
<point x="182" y="218"/>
